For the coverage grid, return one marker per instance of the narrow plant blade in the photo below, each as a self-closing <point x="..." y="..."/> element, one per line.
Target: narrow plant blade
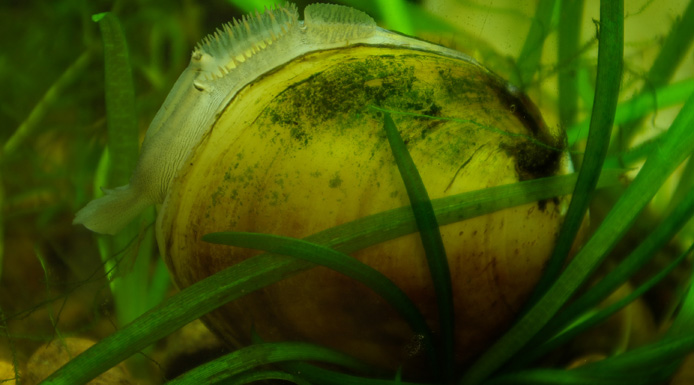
<point x="2" y="222"/>
<point x="123" y="144"/>
<point x="685" y="186"/>
<point x="568" y="49"/>
<point x="661" y="353"/>
<point x="639" y="106"/>
<point x="253" y="356"/>
<point x="577" y="377"/>
<point x="265" y="375"/>
<point x="251" y="6"/>
<point x="529" y="58"/>
<point x="430" y="234"/>
<point x="52" y="95"/>
<point x="633" y="155"/>
<point x="396" y="15"/>
<point x="684" y="322"/>
<point x="341" y="263"/>
<point x="674" y="48"/>
<point x="606" y="95"/>
<point x="418" y="18"/>
<point x="322" y="376"/>
<point x="120" y="100"/>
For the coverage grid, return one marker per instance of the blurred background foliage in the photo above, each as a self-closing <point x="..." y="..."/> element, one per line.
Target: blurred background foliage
<point x="52" y="121"/>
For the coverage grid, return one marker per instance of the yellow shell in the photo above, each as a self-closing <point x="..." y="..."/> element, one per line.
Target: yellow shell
<point x="300" y="149"/>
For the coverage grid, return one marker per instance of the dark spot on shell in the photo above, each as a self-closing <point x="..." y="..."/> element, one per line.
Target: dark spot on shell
<point x="335" y="182"/>
<point x="542" y="204"/>
<point x="532" y="159"/>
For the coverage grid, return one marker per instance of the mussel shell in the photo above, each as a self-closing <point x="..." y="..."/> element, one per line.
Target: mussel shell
<point x="301" y="149"/>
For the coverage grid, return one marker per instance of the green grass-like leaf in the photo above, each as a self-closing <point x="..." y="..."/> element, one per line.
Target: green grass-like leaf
<point x="265" y="375"/>
<point x="134" y="243"/>
<point x="409" y="16"/>
<point x="341" y="263"/>
<point x="568" y="49"/>
<point x="639" y="106"/>
<point x="2" y="223"/>
<point x="528" y="61"/>
<point x="550" y="300"/>
<point x="579" y="376"/>
<point x="430" y="234"/>
<point x="52" y="95"/>
<point x="630" y="157"/>
<point x="606" y="94"/>
<point x="683" y="324"/>
<point x="673" y="51"/>
<point x="684" y="187"/>
<point x="251" y="6"/>
<point x="661" y="353"/>
<point x="396" y="16"/>
<point x="323" y="376"/>
<point x="121" y="115"/>
<point x="674" y="48"/>
<point x="253" y="356"/>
